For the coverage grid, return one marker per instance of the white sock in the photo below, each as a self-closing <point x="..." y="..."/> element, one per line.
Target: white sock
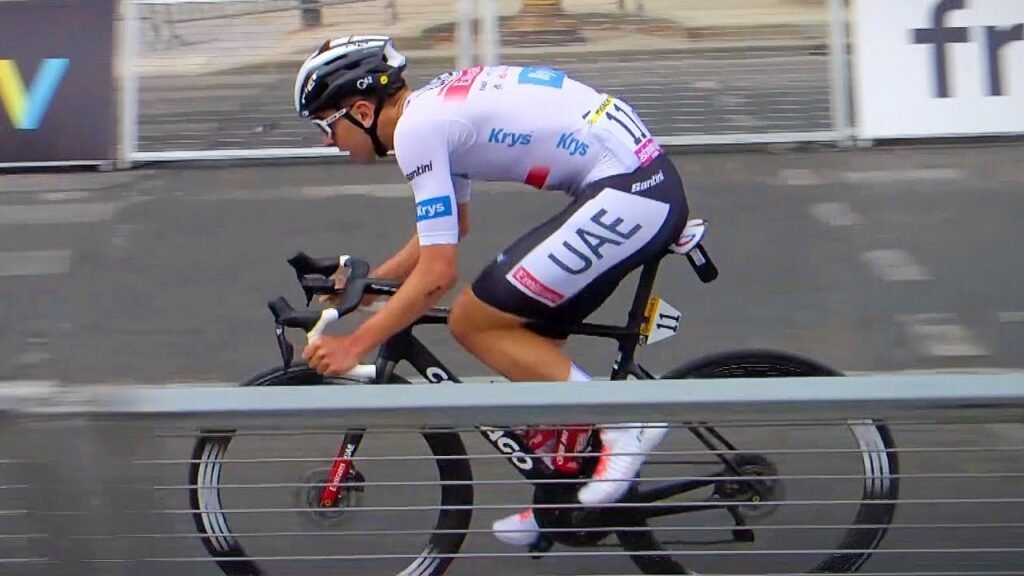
<point x="576" y="374"/>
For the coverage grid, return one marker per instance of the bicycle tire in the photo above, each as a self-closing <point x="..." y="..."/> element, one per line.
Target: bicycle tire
<point x="455" y="475"/>
<point x="881" y="482"/>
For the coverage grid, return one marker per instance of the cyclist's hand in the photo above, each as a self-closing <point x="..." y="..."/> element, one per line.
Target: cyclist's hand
<point x="339" y="278"/>
<point x="332" y="354"/>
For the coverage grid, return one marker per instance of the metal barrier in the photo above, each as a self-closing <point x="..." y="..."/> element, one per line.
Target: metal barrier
<point x="217" y="84"/>
<point x="223" y="88"/>
<point x="96" y="479"/>
<point x="163" y="18"/>
<point x="207" y="79"/>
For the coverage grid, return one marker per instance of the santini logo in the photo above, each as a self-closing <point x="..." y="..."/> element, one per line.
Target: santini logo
<point x="27" y="107"/>
<point x="510" y="139"/>
<point x="433" y="208"/>
<point x="649" y="183"/>
<point x="419" y="171"/>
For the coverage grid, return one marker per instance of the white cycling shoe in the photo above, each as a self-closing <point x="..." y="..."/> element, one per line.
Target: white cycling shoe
<point x="623" y="451"/>
<point x="518" y="529"/>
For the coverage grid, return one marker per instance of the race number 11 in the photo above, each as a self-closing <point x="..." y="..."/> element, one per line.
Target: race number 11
<point x="637" y="138"/>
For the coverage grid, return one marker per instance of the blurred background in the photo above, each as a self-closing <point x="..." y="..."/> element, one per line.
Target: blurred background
<point x="859" y="162"/>
<point x="841" y="233"/>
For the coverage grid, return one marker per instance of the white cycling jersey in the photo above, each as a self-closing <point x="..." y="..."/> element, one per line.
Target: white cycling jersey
<point x="511" y="124"/>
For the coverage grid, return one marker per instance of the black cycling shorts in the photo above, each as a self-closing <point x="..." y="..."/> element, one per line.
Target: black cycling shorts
<point x="564" y="269"/>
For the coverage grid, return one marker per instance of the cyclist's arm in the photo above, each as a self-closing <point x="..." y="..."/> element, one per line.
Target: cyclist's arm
<point x="399" y="266"/>
<point x="422" y="149"/>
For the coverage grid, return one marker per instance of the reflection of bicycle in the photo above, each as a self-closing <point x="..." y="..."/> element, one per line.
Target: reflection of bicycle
<point x="745" y="485"/>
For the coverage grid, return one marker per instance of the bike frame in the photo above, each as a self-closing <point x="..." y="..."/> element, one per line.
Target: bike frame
<point x="404" y="346"/>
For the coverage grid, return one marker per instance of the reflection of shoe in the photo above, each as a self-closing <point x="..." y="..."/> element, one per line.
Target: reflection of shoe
<point x="518" y="529"/>
<point x="623" y="451"/>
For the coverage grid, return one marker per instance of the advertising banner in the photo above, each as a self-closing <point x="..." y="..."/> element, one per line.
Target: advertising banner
<point x="938" y="67"/>
<point x="57" y="97"/>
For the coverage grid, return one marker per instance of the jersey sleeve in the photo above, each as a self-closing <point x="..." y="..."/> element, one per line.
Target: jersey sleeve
<point x="422" y="150"/>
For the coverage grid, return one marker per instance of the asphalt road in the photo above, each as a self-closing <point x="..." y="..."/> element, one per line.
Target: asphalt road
<point x="879" y="260"/>
<point x="870" y="261"/>
<point x="685" y="94"/>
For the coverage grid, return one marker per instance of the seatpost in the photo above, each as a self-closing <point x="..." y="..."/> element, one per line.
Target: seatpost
<point x="644" y="289"/>
<point x="628" y="343"/>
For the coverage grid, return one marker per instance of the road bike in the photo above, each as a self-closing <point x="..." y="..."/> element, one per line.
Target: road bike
<point x="743" y="482"/>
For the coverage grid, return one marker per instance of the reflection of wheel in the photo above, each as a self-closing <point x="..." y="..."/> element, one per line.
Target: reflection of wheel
<point x="212" y="520"/>
<point x="876" y="463"/>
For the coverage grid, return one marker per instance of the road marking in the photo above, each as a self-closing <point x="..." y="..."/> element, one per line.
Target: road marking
<point x="73" y="182"/>
<point x="71" y="213"/>
<point x="32" y="358"/>
<point x="941" y="335"/>
<point x="890" y="176"/>
<point x="1011" y="317"/>
<point x="796" y="177"/>
<point x="730" y="101"/>
<point x="707" y="85"/>
<point x="377" y="190"/>
<point x="895" y="265"/>
<point x="835" y="214"/>
<point x="35" y="263"/>
<point x="64" y="196"/>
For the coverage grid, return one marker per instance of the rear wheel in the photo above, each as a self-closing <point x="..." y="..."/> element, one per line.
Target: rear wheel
<point x="345" y="525"/>
<point x="843" y="507"/>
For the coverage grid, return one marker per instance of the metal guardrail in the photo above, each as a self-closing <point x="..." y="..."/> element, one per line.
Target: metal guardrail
<point x="103" y="480"/>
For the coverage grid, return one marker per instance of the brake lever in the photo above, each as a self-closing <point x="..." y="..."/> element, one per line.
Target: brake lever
<point x="305" y="265"/>
<point x="311" y="322"/>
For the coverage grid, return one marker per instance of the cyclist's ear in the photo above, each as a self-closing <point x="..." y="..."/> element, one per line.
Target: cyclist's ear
<point x="362" y="110"/>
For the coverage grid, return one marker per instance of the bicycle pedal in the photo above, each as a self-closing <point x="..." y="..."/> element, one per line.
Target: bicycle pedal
<point x="540" y="547"/>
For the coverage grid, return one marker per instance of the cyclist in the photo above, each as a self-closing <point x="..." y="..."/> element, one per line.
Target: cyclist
<point x="533" y="125"/>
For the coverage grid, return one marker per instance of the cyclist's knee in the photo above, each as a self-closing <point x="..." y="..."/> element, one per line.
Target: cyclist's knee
<point x="460" y="317"/>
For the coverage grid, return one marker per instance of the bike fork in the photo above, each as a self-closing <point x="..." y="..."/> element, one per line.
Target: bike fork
<point x="340" y="469"/>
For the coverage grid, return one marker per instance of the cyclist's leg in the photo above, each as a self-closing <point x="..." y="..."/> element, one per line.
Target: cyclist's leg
<point x="563" y="270"/>
<point x="504" y="342"/>
<point x="494" y="319"/>
<point x="500" y="336"/>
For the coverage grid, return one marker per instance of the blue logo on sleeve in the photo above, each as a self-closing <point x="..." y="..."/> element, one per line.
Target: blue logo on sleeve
<point x="431" y="208"/>
<point x="542" y="77"/>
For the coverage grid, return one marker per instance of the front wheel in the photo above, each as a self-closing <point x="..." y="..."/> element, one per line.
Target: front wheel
<point x="829" y="519"/>
<point x="276" y="517"/>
